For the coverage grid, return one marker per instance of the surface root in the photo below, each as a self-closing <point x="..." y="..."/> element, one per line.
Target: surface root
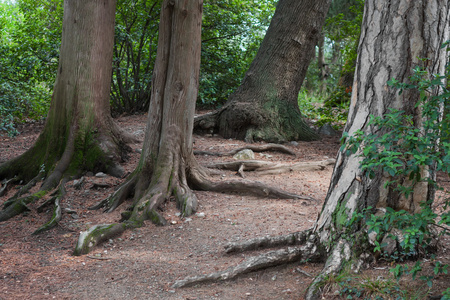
<point x="269" y="168"/>
<point x="254" y="148"/>
<point x="308" y="251"/>
<point x="56" y="215"/>
<point x="266" y="260"/>
<point x="294" y="238"/>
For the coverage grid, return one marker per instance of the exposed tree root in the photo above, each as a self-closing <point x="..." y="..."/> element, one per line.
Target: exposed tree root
<point x="309" y="251"/>
<point x="268" y="168"/>
<point x="340" y="255"/>
<point x="24" y="189"/>
<point x="200" y="182"/>
<point x="18" y="206"/>
<point x="96" y="234"/>
<point x="295" y="238"/>
<point x="4" y="186"/>
<point x="56" y="216"/>
<point x="255" y="148"/>
<point x="118" y="197"/>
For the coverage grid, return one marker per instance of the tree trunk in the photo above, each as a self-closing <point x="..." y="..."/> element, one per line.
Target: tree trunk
<point x="79" y="133"/>
<point x="395" y="36"/>
<point x="167" y="167"/>
<point x="265" y="106"/>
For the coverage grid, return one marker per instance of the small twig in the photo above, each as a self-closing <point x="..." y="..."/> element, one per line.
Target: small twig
<point x="304" y="272"/>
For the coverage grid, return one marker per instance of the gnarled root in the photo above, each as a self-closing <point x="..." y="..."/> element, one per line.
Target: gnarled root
<point x="56" y="216"/>
<point x="255" y="148"/>
<point x="309" y="251"/>
<point x="242" y="186"/>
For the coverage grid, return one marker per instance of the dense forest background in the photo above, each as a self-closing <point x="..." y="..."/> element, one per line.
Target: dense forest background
<point x="232" y="31"/>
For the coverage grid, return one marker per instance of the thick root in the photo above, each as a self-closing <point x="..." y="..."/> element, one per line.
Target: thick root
<point x="118" y="197"/>
<point x="19" y="206"/>
<point x="309" y="251"/>
<point x="97" y="234"/>
<point x="340" y="255"/>
<point x="207" y="123"/>
<point x="296" y="238"/>
<point x="243" y="186"/>
<point x="24" y="189"/>
<point x="269" y="168"/>
<point x="255" y="148"/>
<point x="266" y="260"/>
<point x="56" y="216"/>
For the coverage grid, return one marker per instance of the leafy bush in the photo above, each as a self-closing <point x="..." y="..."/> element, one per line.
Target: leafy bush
<point x="402" y="150"/>
<point x="313" y="108"/>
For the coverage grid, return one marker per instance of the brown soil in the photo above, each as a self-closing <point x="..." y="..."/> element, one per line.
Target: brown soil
<point x="143" y="263"/>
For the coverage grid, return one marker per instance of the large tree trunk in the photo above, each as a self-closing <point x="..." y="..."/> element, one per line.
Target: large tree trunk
<point x="79" y="133"/>
<point x="167" y="167"/>
<point x="265" y="106"/>
<point x="395" y="36"/>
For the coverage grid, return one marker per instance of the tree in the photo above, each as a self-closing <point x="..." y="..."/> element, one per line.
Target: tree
<point x="79" y="133"/>
<point x="265" y="106"/>
<point x="396" y="36"/>
<point x="167" y="167"/>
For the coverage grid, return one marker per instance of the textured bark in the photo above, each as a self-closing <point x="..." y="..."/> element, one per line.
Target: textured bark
<point x="167" y="167"/>
<point x="395" y="36"/>
<point x="265" y="106"/>
<point x="79" y="133"/>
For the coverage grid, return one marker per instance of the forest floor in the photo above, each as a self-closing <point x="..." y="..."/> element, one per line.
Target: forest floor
<point x="145" y="262"/>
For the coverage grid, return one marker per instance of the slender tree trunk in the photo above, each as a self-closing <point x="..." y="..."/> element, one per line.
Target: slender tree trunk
<point x="395" y="36"/>
<point x="79" y="133"/>
<point x="265" y="106"/>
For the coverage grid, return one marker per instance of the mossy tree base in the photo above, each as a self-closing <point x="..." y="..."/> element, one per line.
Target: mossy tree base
<point x="276" y="121"/>
<point x="79" y="134"/>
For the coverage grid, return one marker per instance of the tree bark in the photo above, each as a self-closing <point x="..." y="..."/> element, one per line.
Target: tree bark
<point x="79" y="134"/>
<point x="167" y="167"/>
<point x="395" y="36"/>
<point x="265" y="106"/>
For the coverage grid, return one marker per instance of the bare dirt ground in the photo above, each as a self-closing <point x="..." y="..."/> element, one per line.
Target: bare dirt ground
<point x="144" y="263"/>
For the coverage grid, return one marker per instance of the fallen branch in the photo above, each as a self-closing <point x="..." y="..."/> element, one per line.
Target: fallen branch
<point x="269" y="168"/>
<point x="254" y="148"/>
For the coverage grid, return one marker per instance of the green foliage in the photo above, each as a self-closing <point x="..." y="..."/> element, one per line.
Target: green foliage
<point x="401" y="147"/>
<point x="231" y="33"/>
<point x="313" y="108"/>
<point x="136" y="38"/>
<point x="29" y="45"/>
